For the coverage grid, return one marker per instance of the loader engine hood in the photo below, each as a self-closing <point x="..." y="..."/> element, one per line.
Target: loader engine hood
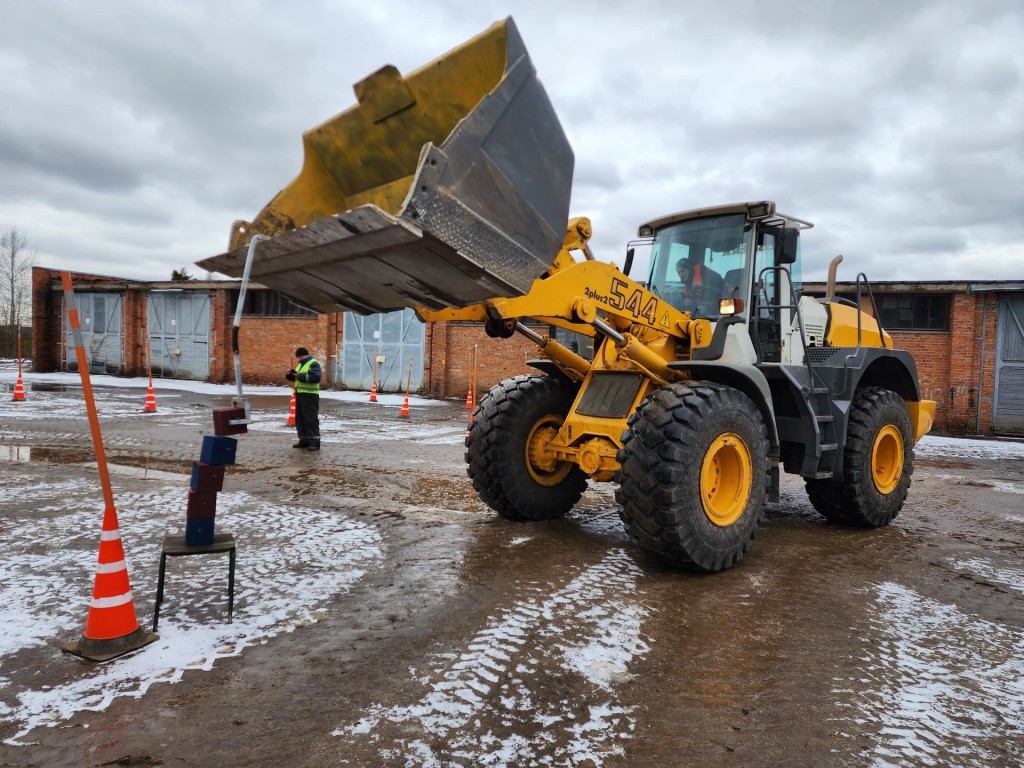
<point x="439" y="189"/>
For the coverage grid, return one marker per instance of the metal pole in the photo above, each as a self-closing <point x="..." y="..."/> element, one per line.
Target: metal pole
<point x="90" y="402"/>
<point x="240" y="400"/>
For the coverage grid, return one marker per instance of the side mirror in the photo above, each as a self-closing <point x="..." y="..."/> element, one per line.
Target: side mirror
<point x="629" y="261"/>
<point x="787" y="246"/>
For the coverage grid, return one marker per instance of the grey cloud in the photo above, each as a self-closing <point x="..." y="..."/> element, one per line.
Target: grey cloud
<point x="133" y="134"/>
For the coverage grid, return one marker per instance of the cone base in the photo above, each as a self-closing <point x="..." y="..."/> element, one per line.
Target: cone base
<point x="105" y="650"/>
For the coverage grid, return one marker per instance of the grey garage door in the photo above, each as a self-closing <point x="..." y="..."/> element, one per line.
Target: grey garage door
<point x="99" y="315"/>
<point x="397" y="337"/>
<point x="1008" y="417"/>
<point x="179" y="334"/>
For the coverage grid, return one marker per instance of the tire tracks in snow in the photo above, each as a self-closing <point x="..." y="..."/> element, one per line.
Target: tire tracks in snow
<point x="498" y="702"/>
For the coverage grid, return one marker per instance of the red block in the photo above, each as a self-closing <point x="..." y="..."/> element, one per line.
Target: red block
<point x="202" y="505"/>
<point x="221" y="417"/>
<point x="207" y="477"/>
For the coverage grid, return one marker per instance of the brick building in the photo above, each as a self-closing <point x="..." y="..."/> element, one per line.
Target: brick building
<point x="188" y="326"/>
<point x="967" y="339"/>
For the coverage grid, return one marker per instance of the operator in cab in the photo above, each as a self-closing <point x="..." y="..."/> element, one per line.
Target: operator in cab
<point x="701" y="286"/>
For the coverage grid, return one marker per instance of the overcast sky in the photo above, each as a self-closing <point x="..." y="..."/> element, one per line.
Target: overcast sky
<point x="132" y="134"/>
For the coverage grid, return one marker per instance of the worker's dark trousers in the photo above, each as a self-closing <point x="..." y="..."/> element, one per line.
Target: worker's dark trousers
<point x="307" y="417"/>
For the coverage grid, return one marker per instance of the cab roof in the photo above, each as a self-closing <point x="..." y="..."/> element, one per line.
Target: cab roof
<point x="757" y="211"/>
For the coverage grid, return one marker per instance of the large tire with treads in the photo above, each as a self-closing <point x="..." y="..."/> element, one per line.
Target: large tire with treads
<point x="505" y="453"/>
<point x="694" y="474"/>
<point x="878" y="461"/>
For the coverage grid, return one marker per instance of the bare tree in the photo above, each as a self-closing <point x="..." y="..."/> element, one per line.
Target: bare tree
<point x="16" y="263"/>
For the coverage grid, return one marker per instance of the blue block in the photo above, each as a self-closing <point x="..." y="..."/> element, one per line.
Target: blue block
<point x="199" y="532"/>
<point x="218" y="450"/>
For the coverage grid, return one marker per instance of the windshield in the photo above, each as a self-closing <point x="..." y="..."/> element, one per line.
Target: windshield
<point x="696" y="263"/>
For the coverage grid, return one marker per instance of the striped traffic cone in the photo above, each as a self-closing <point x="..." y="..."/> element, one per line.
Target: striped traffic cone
<point x="19" y="390"/>
<point x="150" y="406"/>
<point x="373" y="392"/>
<point x="469" y="399"/>
<point x="111" y="628"/>
<point x="405" y="406"/>
<point x="291" y="411"/>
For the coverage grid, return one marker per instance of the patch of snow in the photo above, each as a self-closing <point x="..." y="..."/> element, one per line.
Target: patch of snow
<point x="968" y="448"/>
<point x="73" y="379"/>
<point x="44" y="595"/>
<point x="997" y="485"/>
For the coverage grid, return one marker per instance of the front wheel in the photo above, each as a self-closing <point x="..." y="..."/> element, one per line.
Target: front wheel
<point x="877" y="463"/>
<point x="693" y="475"/>
<point x="508" y="452"/>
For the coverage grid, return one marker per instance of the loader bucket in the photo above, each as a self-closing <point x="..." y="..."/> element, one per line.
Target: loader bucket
<point x="439" y="189"/>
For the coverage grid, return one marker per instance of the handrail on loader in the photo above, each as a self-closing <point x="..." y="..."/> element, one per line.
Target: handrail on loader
<point x="439" y="189"/>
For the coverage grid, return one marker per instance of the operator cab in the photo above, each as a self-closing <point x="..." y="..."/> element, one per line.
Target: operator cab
<point x="727" y="260"/>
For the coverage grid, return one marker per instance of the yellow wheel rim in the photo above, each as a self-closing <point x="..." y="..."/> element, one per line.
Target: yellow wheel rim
<point x="887" y="459"/>
<point x="725" y="479"/>
<point x="541" y="462"/>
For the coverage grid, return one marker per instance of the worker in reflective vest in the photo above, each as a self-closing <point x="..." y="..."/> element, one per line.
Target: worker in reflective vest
<point x="306" y="375"/>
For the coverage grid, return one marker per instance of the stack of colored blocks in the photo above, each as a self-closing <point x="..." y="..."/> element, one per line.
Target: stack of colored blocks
<point x="218" y="452"/>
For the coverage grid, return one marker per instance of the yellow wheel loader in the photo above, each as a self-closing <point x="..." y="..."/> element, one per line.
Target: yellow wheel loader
<point x="447" y="190"/>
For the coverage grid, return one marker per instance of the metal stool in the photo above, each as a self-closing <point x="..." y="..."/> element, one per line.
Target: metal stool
<point x="174" y="546"/>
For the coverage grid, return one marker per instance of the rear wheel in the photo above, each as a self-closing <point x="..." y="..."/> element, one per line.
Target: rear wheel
<point x="693" y="475"/>
<point x="508" y="452"/>
<point x="877" y="463"/>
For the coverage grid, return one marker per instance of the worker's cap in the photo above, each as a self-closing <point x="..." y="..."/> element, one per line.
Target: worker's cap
<point x="301" y="352"/>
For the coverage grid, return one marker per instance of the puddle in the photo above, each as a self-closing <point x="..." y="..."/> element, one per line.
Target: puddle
<point x="127" y="463"/>
<point x="943" y="684"/>
<point x="44" y="387"/>
<point x="942" y="463"/>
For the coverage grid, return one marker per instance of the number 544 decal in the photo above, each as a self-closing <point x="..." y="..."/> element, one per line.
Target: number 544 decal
<point x="639" y="303"/>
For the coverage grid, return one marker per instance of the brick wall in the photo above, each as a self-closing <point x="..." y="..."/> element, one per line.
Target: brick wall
<point x="267" y="344"/>
<point x="957" y="368"/>
<point x="46" y="321"/>
<point x="133" y="328"/>
<point x="450" y="351"/>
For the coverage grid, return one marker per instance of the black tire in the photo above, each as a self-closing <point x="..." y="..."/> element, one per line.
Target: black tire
<point x="515" y="415"/>
<point x="878" y="462"/>
<point x="679" y="440"/>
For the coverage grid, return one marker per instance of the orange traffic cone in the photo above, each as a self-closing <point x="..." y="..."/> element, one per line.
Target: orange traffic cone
<point x="150" y="406"/>
<point x="291" y="411"/>
<point x="469" y="399"/>
<point x="373" y="392"/>
<point x="408" y="386"/>
<point x="111" y="628"/>
<point x="19" y="390"/>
